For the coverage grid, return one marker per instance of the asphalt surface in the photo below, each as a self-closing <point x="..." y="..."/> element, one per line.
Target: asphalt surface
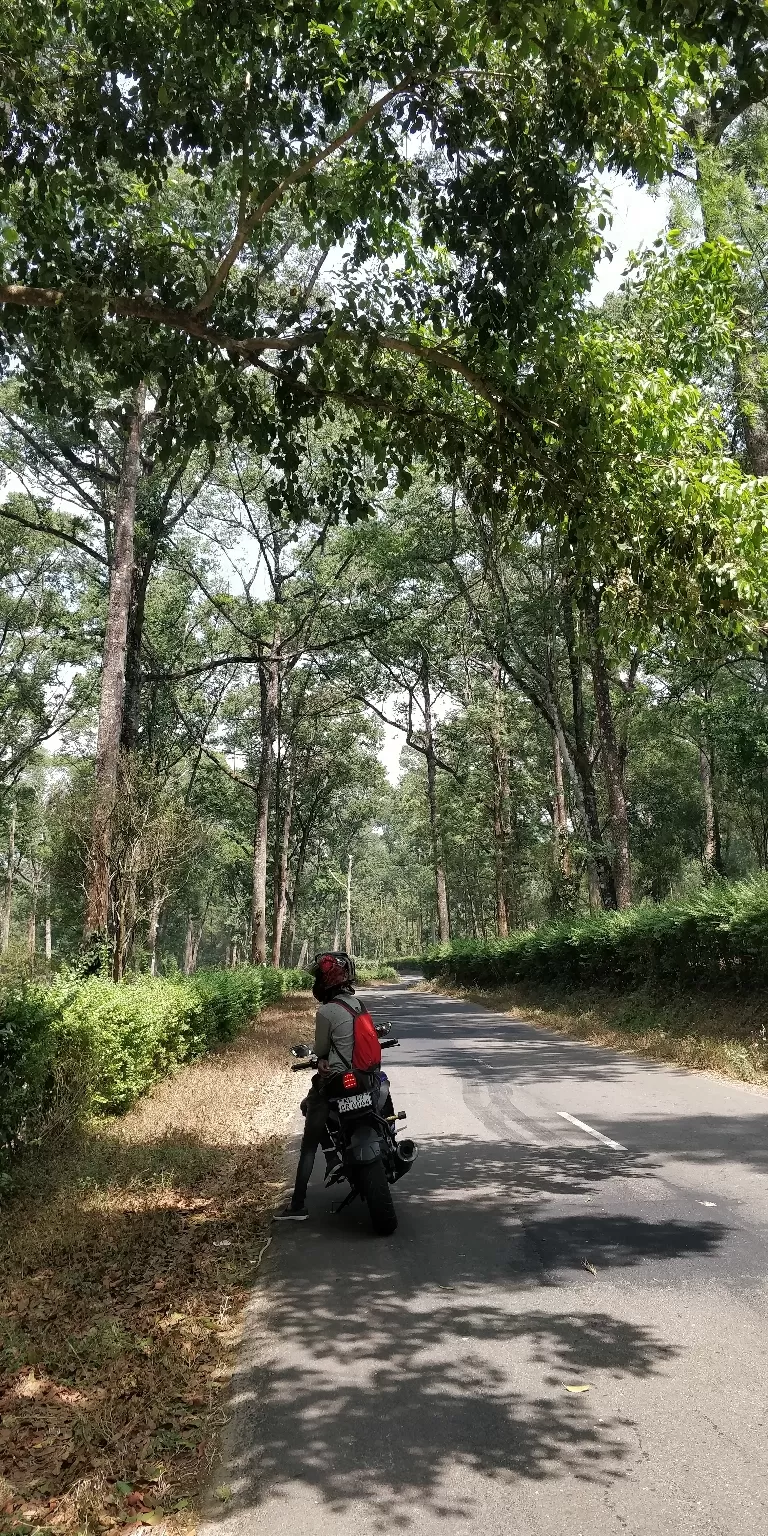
<point x="420" y="1382"/>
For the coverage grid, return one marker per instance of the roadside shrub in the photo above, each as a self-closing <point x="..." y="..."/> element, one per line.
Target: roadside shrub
<point x="374" y="970"/>
<point x="25" y="1058"/>
<point x="78" y="1047"/>
<point x="719" y="937"/>
<point x="288" y="980"/>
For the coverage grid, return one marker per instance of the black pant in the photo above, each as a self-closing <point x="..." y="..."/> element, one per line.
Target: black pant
<point x="315" y="1134"/>
<point x="315" y="1123"/>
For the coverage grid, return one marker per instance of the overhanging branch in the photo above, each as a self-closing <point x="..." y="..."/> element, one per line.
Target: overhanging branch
<point x="305" y="168"/>
<point x="250" y="348"/>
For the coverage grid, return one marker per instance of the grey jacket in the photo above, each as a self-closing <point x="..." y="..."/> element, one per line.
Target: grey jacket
<point x="334" y="1026"/>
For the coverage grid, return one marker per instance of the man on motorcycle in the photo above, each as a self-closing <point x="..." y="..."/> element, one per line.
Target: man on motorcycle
<point x="334" y="974"/>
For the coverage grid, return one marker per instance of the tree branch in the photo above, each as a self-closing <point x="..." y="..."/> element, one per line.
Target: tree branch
<point x="50" y="459"/>
<point x="304" y="168"/>
<point x="54" y="533"/>
<point x="252" y="347"/>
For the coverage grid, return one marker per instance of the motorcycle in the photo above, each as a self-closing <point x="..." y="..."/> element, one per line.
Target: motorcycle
<point x="362" y="1135"/>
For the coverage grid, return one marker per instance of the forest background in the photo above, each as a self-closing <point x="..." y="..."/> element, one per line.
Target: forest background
<point x="309" y="431"/>
<point x="313" y="433"/>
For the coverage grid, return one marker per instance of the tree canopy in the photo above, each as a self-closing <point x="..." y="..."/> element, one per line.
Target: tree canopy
<point x="314" y="441"/>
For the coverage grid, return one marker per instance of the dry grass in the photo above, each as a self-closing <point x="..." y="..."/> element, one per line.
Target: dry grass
<point x="125" y="1259"/>
<point x="705" y="1032"/>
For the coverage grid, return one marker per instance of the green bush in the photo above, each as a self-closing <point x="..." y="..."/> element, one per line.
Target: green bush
<point x="287" y="981"/>
<point x="79" y="1047"/>
<point x="720" y="937"/>
<point x="25" y="1062"/>
<point x="374" y="970"/>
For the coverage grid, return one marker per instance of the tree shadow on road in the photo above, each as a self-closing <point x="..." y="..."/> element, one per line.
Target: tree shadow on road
<point x="719" y="1139"/>
<point x="495" y="1052"/>
<point x="519" y="1213"/>
<point x="483" y="1046"/>
<point x="403" y="1372"/>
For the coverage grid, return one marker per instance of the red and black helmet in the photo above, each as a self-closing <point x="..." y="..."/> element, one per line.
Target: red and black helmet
<point x="333" y="970"/>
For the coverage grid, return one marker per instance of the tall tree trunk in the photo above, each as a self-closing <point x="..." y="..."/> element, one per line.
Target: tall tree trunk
<point x="123" y="916"/>
<point x="5" y="931"/>
<point x="189" y="946"/>
<point x="133" y="667"/>
<point x="195" y="928"/>
<point x="752" y="412"/>
<point x="596" y="854"/>
<point x="500" y="769"/>
<point x="269" y="683"/>
<point x="295" y="883"/>
<point x="755" y="426"/>
<point x="158" y="902"/>
<point x="472" y="908"/>
<point x="441" y="890"/>
<point x="502" y="920"/>
<point x="348" y="922"/>
<point x="113" y="675"/>
<point x="712" y="858"/>
<point x="563" y="861"/>
<point x="611" y="755"/>
<point x="48" y="934"/>
<point x="303" y="955"/>
<point x="281" y="882"/>
<point x="32" y="921"/>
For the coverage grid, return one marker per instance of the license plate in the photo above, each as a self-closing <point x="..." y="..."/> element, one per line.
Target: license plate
<point x="355" y="1101"/>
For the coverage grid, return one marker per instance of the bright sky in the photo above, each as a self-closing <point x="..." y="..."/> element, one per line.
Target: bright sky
<point x="638" y="218"/>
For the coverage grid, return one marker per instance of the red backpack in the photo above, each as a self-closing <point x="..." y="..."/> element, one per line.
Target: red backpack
<point x="366" y="1051"/>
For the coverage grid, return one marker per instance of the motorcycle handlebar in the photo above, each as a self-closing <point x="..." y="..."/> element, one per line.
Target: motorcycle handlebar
<point x="310" y="1062"/>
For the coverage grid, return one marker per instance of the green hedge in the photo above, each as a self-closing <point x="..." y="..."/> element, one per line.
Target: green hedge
<point x="86" y="1047"/>
<point x="374" y="970"/>
<point x="720" y="937"/>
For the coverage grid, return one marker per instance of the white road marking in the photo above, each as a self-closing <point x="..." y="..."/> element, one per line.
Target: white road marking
<point x="617" y="1146"/>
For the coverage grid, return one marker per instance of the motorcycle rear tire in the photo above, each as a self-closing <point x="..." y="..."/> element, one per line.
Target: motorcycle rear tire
<point x="376" y="1190"/>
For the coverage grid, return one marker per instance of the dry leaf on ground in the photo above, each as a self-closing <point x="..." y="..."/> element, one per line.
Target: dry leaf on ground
<point x="126" y="1259"/>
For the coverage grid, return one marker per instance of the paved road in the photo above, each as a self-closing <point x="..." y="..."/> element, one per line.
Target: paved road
<point x="419" y="1383"/>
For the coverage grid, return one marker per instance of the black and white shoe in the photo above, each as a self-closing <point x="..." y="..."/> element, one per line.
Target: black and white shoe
<point x="291" y="1214"/>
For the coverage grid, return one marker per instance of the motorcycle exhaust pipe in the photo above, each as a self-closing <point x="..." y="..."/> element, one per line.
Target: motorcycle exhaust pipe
<point x="405" y="1157"/>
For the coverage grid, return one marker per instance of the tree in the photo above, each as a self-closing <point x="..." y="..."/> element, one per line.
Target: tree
<point x="42" y="599"/>
<point x="137" y="214"/>
<point x="405" y="628"/>
<point x="721" y="173"/>
<point x="108" y="499"/>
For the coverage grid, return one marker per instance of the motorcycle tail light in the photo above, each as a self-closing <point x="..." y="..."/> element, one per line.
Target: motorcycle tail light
<point x="349" y="1081"/>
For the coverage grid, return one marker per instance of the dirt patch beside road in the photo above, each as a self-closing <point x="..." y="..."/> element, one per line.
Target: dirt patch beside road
<point x="724" y="1033"/>
<point x="126" y="1257"/>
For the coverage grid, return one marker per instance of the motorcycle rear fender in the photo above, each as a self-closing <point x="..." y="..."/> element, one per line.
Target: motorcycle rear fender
<point x="364" y="1144"/>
